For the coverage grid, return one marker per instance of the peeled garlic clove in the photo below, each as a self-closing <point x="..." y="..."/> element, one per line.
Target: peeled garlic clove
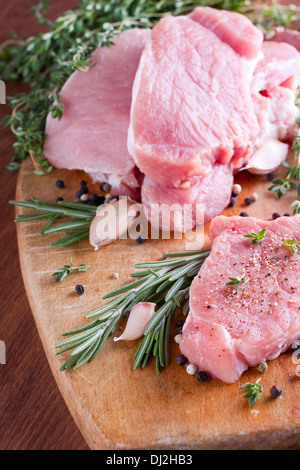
<point x="112" y="221"/>
<point x="267" y="158"/>
<point x="139" y="317"/>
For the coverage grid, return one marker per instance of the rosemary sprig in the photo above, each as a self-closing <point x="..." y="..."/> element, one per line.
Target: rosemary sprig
<point x="62" y="273"/>
<point x="166" y="283"/>
<point x="253" y="393"/>
<point x="256" y="237"/>
<point x="46" y="60"/>
<point x="76" y="229"/>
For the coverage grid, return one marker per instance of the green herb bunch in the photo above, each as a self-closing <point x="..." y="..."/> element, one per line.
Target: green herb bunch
<point x="166" y="283"/>
<point x="46" y="60"/>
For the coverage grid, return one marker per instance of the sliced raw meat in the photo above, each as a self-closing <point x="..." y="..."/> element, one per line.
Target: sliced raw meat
<point x="191" y="106"/>
<point x="232" y="28"/>
<point x="212" y="192"/>
<point x="277" y="114"/>
<point x="227" y="331"/>
<point x="92" y="134"/>
<point x="290" y="36"/>
<point x="280" y="63"/>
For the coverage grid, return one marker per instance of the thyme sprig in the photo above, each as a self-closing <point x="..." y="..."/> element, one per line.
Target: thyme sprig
<point x="292" y="244"/>
<point x="46" y="60"/>
<point x="166" y="283"/>
<point x="256" y="237"/>
<point x="235" y="281"/>
<point x="62" y="273"/>
<point x="76" y="228"/>
<point x="254" y="391"/>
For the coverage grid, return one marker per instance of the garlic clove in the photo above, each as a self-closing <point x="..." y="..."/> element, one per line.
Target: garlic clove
<point x="139" y="317"/>
<point x="112" y="222"/>
<point x="267" y="158"/>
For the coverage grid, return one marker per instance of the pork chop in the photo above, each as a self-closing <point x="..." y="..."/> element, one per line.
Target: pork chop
<point x="92" y="134"/>
<point x="212" y="192"/>
<point x="191" y="105"/>
<point x="228" y="331"/>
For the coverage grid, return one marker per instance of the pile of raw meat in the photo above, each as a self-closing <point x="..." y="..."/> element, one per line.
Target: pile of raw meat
<point x="168" y="116"/>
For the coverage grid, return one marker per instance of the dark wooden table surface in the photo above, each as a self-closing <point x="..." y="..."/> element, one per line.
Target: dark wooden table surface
<point x="33" y="414"/>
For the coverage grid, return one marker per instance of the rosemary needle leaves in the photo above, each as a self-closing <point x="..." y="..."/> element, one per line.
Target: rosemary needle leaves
<point x="76" y="229"/>
<point x="62" y="273"/>
<point x="166" y="283"/>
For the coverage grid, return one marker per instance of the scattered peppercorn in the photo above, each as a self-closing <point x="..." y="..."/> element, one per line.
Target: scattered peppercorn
<point x="181" y="360"/>
<point x="97" y="200"/>
<point x="232" y="202"/>
<point x="140" y="240"/>
<point x="181" y="323"/>
<point x="244" y="214"/>
<point x="79" y="289"/>
<point x="60" y="184"/>
<point x="179" y="330"/>
<point x="295" y="345"/>
<point x="236" y="189"/>
<point x="270" y="176"/>
<point x="84" y="197"/>
<point x="275" y="391"/>
<point x="275" y="215"/>
<point x="82" y="183"/>
<point x="191" y="369"/>
<point x="201" y="376"/>
<point x="105" y="187"/>
<point x="286" y="215"/>
<point x="177" y="338"/>
<point x="262" y="367"/>
<point x="59" y="199"/>
<point x="249" y="201"/>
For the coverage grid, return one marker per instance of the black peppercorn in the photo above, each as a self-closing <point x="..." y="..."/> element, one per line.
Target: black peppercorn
<point x="275" y="215"/>
<point x="286" y="215"/>
<point x="79" y="289"/>
<point x="179" y="330"/>
<point x="270" y="176"/>
<point x="60" y="184"/>
<point x="82" y="183"/>
<point x="106" y="187"/>
<point x="275" y="391"/>
<point x="97" y="200"/>
<point x="244" y="214"/>
<point x="232" y="201"/>
<point x="140" y="240"/>
<point x="201" y="376"/>
<point x="181" y="360"/>
<point x="59" y="199"/>
<point x="249" y="201"/>
<point x="179" y="323"/>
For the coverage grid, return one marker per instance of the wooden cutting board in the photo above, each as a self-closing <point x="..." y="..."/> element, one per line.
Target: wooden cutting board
<point x="114" y="406"/>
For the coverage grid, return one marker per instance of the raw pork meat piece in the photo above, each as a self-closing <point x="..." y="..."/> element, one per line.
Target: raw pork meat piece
<point x="213" y="192"/>
<point x="290" y="36"/>
<point x="191" y="105"/>
<point x="92" y="134"/>
<point x="280" y="63"/>
<point x="227" y="331"/>
<point x="232" y="28"/>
